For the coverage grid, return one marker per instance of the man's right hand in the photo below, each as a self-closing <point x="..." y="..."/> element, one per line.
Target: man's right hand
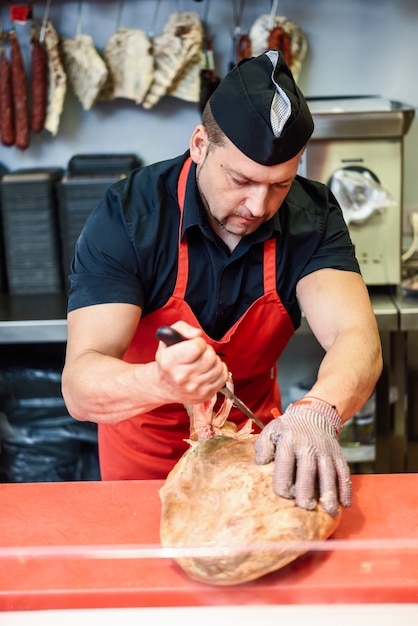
<point x="190" y="371"/>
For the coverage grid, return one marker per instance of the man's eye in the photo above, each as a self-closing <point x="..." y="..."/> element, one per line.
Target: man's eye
<point x="239" y="183"/>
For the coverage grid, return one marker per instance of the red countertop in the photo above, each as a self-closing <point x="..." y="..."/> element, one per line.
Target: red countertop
<point x="44" y="527"/>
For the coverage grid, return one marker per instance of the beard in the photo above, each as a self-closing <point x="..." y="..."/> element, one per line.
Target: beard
<point x="214" y="221"/>
<point x="203" y="198"/>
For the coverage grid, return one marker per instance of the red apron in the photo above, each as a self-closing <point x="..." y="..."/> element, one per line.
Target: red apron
<point x="148" y="446"/>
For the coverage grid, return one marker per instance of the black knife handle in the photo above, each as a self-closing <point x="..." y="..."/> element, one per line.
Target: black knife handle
<point x="169" y="335"/>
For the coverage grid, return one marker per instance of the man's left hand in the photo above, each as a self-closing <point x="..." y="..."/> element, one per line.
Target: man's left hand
<point x="305" y="440"/>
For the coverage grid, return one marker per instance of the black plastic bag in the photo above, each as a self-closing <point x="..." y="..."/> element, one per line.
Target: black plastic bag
<point x="39" y="440"/>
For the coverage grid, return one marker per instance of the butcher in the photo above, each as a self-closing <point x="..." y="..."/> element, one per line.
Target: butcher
<point x="227" y="244"/>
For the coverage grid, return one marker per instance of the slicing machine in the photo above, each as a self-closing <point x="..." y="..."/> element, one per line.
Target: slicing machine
<point x="365" y="135"/>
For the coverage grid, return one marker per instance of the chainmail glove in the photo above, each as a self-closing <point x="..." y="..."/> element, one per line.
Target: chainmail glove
<point x="303" y="442"/>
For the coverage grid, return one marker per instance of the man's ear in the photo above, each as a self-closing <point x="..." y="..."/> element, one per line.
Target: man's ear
<point x="199" y="144"/>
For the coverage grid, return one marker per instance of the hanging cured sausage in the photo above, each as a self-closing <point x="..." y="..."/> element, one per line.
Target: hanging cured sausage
<point x="20" y="96"/>
<point x="38" y="85"/>
<point x="7" y="123"/>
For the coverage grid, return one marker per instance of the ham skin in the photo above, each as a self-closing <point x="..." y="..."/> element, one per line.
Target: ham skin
<point x="219" y="505"/>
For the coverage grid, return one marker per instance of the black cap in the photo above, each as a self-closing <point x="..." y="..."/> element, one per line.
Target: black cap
<point x="261" y="110"/>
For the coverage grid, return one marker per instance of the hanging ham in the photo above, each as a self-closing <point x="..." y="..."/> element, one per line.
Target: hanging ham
<point x="176" y="55"/>
<point x="128" y="55"/>
<point x="281" y="34"/>
<point x="57" y="81"/>
<point x="86" y="71"/>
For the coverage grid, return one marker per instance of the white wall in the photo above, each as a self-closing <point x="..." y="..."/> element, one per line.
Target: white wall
<point x="355" y="47"/>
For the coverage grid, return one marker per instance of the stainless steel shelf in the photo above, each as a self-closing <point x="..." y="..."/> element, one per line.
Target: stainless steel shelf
<point x="42" y="318"/>
<point x="408" y="311"/>
<point x="33" y="331"/>
<point x="39" y="318"/>
<point x="360" y="453"/>
<point x="385" y="309"/>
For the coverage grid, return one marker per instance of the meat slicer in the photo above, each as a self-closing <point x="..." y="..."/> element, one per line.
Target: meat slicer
<point x="357" y="149"/>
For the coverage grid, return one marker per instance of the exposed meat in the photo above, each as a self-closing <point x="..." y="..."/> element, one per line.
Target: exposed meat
<point x="279" y="39"/>
<point x="7" y="124"/>
<point x="86" y="71"/>
<point x="38" y="85"/>
<point x="128" y="54"/>
<point x="219" y="505"/>
<point x="20" y="95"/>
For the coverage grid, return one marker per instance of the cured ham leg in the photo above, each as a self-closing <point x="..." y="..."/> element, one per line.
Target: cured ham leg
<point x="220" y="506"/>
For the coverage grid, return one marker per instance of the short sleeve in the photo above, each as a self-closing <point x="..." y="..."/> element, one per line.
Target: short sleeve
<point x="105" y="267"/>
<point x="333" y="248"/>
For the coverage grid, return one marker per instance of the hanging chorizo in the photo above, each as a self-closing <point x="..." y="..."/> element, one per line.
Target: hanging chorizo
<point x="274" y="40"/>
<point x="38" y="85"/>
<point x="279" y="39"/>
<point x="287" y="48"/>
<point x="7" y="124"/>
<point x="20" y="95"/>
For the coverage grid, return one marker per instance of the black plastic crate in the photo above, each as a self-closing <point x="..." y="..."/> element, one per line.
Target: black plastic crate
<point x="102" y="164"/>
<point x="81" y="190"/>
<point x="29" y="211"/>
<point x="77" y="197"/>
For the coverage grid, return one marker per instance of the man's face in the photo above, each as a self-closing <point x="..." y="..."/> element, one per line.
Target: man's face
<point x="238" y="193"/>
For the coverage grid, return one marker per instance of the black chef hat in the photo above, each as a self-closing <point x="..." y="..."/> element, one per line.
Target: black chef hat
<point x="261" y="110"/>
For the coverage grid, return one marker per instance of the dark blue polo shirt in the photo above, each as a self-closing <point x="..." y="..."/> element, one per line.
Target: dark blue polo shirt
<point x="127" y="251"/>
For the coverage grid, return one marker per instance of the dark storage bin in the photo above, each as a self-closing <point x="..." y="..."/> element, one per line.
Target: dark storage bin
<point x="31" y="232"/>
<point x="82" y="188"/>
<point x="102" y="164"/>
<point x="77" y="197"/>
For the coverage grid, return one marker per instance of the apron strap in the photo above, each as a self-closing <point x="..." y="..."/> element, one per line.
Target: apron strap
<point x="270" y="265"/>
<point x="183" y="252"/>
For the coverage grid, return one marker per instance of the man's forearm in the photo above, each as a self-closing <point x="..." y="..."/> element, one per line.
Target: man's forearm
<point x="105" y="389"/>
<point x="348" y="373"/>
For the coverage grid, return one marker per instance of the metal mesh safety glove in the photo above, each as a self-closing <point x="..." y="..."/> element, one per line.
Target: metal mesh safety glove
<point x="303" y="442"/>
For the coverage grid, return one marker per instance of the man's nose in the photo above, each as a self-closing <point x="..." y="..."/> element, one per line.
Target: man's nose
<point x="258" y="200"/>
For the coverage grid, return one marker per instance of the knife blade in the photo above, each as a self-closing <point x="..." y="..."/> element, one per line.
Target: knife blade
<point x="170" y="336"/>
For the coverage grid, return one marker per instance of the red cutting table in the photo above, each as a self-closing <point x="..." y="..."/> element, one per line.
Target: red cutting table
<point x="45" y="527"/>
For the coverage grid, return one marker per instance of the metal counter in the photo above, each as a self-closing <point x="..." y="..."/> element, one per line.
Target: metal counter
<point x="33" y="319"/>
<point x="408" y="311"/>
<point x="42" y="318"/>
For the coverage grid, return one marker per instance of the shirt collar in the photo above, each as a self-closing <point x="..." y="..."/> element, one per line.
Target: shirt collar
<point x="191" y="212"/>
